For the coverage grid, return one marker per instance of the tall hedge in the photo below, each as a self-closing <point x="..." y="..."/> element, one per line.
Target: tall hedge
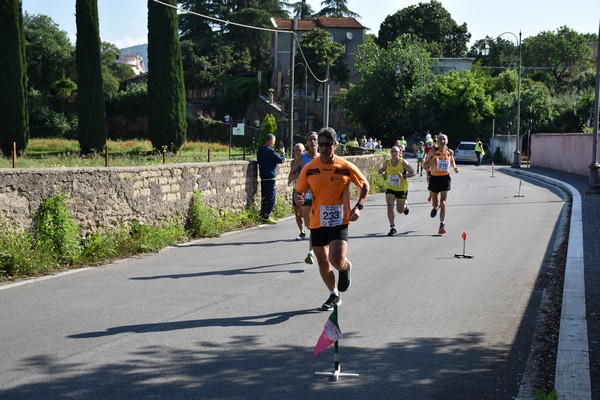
<point x="14" y="117"/>
<point x="269" y="126"/>
<point x="166" y="91"/>
<point x="91" y="114"/>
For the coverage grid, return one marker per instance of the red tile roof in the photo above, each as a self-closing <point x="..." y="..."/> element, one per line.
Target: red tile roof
<point x="321" y="22"/>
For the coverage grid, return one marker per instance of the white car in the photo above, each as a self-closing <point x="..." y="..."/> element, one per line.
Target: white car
<point x="465" y="152"/>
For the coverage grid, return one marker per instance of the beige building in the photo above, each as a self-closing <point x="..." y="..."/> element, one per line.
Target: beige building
<point x="135" y="62"/>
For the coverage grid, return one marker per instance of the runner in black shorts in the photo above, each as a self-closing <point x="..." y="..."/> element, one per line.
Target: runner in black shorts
<point x="312" y="152"/>
<point x="440" y="160"/>
<point x="328" y="177"/>
<point x="324" y="236"/>
<point x="295" y="168"/>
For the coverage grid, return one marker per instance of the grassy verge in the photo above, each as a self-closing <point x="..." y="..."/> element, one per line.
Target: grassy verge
<point x="45" y="153"/>
<point x="55" y="243"/>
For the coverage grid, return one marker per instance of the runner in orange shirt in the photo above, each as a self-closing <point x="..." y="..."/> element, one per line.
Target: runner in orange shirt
<point x="440" y="159"/>
<point x="329" y="178"/>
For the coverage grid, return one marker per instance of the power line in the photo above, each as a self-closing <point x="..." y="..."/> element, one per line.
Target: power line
<point x="182" y="10"/>
<point x="579" y="67"/>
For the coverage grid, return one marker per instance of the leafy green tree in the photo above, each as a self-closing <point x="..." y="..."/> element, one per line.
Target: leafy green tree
<point x="566" y="118"/>
<point x="302" y="10"/>
<point x="194" y="27"/>
<point x="564" y="55"/>
<point x="215" y="52"/>
<point x="323" y="57"/>
<point x="432" y="23"/>
<point x="463" y="103"/>
<point x="256" y="42"/>
<point x="50" y="54"/>
<point x="503" y="89"/>
<point x="336" y="8"/>
<point x="537" y="104"/>
<point x="14" y="118"/>
<point x="90" y="92"/>
<point x="166" y="92"/>
<point x="502" y="54"/>
<point x="51" y="75"/>
<point x="210" y="36"/>
<point x="391" y="88"/>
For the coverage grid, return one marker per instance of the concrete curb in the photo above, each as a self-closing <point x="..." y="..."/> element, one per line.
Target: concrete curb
<point x="572" y="376"/>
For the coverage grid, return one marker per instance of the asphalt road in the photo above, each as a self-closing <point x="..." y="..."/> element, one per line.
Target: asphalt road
<point x="235" y="317"/>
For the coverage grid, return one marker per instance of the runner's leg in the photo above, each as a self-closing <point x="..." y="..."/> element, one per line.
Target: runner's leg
<point x="322" y="253"/>
<point x="443" y="200"/>
<point x="389" y="200"/>
<point x="337" y="254"/>
<point x="306" y="216"/>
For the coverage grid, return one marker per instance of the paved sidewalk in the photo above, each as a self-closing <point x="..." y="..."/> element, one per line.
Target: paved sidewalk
<point x="590" y="216"/>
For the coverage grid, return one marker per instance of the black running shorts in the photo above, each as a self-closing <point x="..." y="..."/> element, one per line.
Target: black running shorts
<point x="323" y="236"/>
<point x="399" y="194"/>
<point x="439" y="184"/>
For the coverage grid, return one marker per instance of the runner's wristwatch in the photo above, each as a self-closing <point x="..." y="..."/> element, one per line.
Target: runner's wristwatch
<point x="359" y="206"/>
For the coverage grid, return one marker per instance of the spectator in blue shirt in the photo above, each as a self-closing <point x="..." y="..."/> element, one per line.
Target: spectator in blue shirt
<point x="267" y="165"/>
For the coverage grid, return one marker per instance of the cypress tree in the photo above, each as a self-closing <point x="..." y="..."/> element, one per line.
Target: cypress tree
<point x="14" y="117"/>
<point x="91" y="115"/>
<point x="166" y="91"/>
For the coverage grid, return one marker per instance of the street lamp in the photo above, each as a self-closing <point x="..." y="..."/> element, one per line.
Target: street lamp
<point x="421" y="101"/>
<point x="594" y="166"/>
<point x="516" y="163"/>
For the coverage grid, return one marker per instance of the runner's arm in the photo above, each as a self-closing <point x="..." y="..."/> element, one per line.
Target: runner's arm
<point x="453" y="162"/>
<point x="293" y="175"/>
<point x="362" y="197"/>
<point x="408" y="170"/>
<point x="427" y="162"/>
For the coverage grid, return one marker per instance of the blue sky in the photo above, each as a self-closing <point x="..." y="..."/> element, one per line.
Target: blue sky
<point x="123" y="22"/>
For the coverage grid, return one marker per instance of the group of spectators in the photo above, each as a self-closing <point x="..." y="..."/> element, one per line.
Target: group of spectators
<point x="370" y="143"/>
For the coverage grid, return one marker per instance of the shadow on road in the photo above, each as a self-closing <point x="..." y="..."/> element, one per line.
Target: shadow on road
<point x="228" y="272"/>
<point x="420" y="368"/>
<point x="256" y="320"/>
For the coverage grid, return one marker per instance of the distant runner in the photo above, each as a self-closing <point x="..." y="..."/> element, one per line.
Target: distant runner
<point x="396" y="170"/>
<point x="440" y="159"/>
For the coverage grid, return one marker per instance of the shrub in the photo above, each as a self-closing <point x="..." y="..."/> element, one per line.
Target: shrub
<point x="55" y="228"/>
<point x="269" y="126"/>
<point x="133" y="101"/>
<point x="202" y="221"/>
<point x="282" y="208"/>
<point x="19" y="255"/>
<point x="98" y="247"/>
<point x="150" y="238"/>
<point x="377" y="182"/>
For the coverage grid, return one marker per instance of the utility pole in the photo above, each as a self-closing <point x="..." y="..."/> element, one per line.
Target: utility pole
<point x="326" y="99"/>
<point x="292" y="77"/>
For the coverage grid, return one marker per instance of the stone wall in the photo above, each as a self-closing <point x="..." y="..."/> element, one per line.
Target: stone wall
<point x="108" y="197"/>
